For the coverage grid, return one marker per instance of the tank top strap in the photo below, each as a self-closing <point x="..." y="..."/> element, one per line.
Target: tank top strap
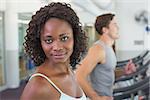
<point x="42" y="75"/>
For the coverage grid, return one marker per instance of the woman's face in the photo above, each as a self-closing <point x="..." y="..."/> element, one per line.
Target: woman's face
<point x="57" y="40"/>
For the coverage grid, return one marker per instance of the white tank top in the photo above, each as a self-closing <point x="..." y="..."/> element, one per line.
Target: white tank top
<point x="63" y="95"/>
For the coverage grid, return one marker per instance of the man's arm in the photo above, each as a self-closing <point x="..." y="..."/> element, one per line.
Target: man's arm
<point x="95" y="55"/>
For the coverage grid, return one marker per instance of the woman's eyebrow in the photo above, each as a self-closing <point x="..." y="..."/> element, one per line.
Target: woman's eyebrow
<point x="63" y="34"/>
<point x="47" y="36"/>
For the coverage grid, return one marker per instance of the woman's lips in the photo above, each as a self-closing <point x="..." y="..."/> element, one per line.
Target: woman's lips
<point x="59" y="56"/>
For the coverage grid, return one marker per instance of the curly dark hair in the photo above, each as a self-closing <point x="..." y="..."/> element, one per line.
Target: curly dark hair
<point x="103" y="21"/>
<point x="62" y="11"/>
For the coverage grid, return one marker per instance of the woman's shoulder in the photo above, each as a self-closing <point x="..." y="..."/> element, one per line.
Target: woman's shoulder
<point x="37" y="88"/>
<point x="37" y="83"/>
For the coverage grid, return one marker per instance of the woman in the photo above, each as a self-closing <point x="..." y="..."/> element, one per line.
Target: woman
<point x="55" y="42"/>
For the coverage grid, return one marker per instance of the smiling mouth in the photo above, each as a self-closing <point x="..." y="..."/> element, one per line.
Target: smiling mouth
<point x="59" y="56"/>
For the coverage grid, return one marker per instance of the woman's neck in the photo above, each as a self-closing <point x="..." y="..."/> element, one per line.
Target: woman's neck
<point x="53" y="69"/>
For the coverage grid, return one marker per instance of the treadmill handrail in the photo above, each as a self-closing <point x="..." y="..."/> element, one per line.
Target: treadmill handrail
<point x="127" y="94"/>
<point x="135" y="59"/>
<point x="133" y="86"/>
<point x="140" y="70"/>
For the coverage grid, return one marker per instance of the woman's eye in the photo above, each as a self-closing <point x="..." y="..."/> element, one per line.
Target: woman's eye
<point x="65" y="38"/>
<point x="48" y="41"/>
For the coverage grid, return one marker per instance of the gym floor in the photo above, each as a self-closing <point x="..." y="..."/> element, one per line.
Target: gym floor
<point x="12" y="94"/>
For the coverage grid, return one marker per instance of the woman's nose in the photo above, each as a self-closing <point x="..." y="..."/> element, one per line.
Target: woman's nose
<point x="57" y="46"/>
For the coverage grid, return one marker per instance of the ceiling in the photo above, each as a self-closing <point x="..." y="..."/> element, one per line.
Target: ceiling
<point x="87" y="10"/>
